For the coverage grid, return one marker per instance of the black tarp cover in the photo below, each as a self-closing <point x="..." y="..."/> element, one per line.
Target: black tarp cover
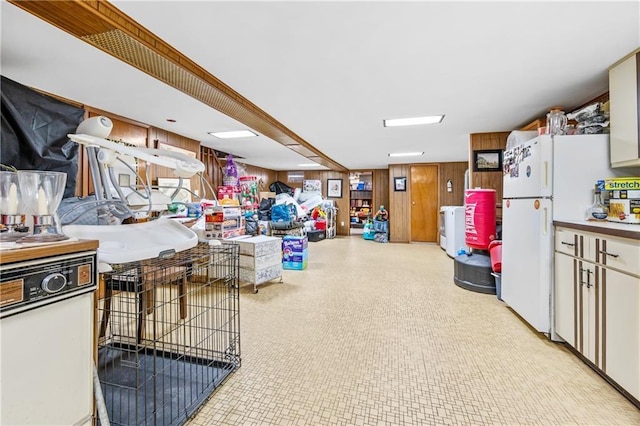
<point x="34" y="132"/>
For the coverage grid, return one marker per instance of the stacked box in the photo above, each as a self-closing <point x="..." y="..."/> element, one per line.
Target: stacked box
<point x="294" y="252"/>
<point x="224" y="222"/>
<point x="260" y="258"/>
<point x="624" y="199"/>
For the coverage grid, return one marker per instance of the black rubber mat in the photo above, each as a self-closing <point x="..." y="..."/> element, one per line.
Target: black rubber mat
<point x="145" y="387"/>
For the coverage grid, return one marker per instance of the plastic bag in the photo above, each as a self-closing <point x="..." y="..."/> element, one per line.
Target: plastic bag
<point x="230" y="172"/>
<point x="281" y="213"/>
<point x="264" y="210"/>
<point x="587" y="112"/>
<point x="281" y="188"/>
<point x="251" y="226"/>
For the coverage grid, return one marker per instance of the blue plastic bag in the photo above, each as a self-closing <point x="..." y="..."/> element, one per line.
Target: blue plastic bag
<point x="281" y="213"/>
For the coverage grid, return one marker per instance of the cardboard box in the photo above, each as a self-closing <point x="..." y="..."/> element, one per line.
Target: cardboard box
<point x="294" y="243"/>
<point x="228" y="196"/>
<point x="624" y="210"/>
<point x="625" y="194"/>
<point x="266" y="195"/>
<point x="295" y="266"/>
<point x="295" y="261"/>
<point x="616" y="184"/>
<point x="295" y="257"/>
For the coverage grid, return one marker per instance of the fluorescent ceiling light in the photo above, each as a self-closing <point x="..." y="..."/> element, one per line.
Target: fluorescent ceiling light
<point x="405" y="154"/>
<point x="431" y="119"/>
<point x="233" y="134"/>
<point x="307" y="165"/>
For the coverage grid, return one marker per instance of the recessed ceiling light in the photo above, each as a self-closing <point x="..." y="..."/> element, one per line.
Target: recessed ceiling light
<point x="431" y="119"/>
<point x="405" y="154"/>
<point x="307" y="165"/>
<point x="233" y="134"/>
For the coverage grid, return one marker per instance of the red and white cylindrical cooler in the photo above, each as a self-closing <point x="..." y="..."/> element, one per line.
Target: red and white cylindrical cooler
<point x="479" y="217"/>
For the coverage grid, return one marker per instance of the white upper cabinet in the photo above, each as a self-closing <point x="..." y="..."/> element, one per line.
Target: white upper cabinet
<point x="624" y="95"/>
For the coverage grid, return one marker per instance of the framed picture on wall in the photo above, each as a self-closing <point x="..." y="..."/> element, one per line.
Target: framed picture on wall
<point x="334" y="188"/>
<point x="400" y="183"/>
<point x="489" y="160"/>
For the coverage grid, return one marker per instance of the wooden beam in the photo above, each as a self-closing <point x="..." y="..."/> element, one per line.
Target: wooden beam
<point x="104" y="26"/>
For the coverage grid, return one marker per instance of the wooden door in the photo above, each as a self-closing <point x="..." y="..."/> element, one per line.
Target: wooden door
<point x="424" y="203"/>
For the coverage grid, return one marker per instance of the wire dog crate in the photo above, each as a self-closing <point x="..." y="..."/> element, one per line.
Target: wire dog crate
<point x="169" y="334"/>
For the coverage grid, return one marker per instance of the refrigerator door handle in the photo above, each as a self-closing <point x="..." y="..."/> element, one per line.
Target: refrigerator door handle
<point x="546" y="174"/>
<point x="545" y="221"/>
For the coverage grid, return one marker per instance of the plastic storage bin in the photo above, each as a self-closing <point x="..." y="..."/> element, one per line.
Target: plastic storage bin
<point x="498" y="278"/>
<point x="495" y="251"/>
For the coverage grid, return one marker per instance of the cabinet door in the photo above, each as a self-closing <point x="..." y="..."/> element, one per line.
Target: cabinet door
<point x="622" y="329"/>
<point x="584" y="310"/>
<point x="566" y="291"/>
<point x="619" y="253"/>
<point x="591" y="288"/>
<point x="623" y="94"/>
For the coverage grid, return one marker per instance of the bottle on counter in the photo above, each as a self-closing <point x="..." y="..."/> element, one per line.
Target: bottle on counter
<point x="597" y="211"/>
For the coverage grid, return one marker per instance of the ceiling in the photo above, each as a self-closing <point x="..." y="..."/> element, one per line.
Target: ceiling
<point x="332" y="71"/>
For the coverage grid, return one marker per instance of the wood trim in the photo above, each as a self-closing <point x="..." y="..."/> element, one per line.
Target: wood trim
<point x="534" y="125"/>
<point x="105" y="27"/>
<point x="581" y="308"/>
<point x="581" y="251"/>
<point x="604" y="320"/>
<point x="596" y="288"/>
<point x="95" y="111"/>
<point x="31" y="253"/>
<point x="575" y="302"/>
<point x="631" y="233"/>
<point x="58" y="97"/>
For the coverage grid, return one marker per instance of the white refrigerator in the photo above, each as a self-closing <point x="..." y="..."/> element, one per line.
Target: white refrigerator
<point x="547" y="178"/>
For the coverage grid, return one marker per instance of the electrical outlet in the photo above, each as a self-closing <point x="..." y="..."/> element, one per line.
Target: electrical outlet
<point x="342" y="223"/>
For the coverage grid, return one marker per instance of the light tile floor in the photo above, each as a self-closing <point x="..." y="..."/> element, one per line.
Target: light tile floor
<point x="378" y="334"/>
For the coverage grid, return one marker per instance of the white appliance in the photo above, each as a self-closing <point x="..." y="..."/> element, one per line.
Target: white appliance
<point x="46" y="340"/>
<point x="547" y="178"/>
<point x="454" y="229"/>
<point x="441" y="227"/>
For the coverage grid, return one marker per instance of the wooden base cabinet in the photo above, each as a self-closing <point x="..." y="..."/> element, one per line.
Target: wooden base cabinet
<point x="597" y="302"/>
<point x="622" y="329"/>
<point x="578" y="295"/>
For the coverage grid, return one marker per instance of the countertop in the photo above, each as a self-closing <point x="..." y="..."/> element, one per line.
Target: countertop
<point x="55" y="249"/>
<point x="624" y="230"/>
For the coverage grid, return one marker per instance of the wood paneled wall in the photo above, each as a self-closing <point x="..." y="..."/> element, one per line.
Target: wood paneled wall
<point x="455" y="173"/>
<point x="380" y="189"/>
<point x="212" y="166"/>
<point x="342" y="204"/>
<point x="123" y="129"/>
<point x="486" y="180"/>
<point x="160" y="136"/>
<point x="265" y="176"/>
<point x="399" y="205"/>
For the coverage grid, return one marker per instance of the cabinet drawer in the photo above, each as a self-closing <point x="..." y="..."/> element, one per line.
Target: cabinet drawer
<point x="567" y="242"/>
<point x="619" y="253"/>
